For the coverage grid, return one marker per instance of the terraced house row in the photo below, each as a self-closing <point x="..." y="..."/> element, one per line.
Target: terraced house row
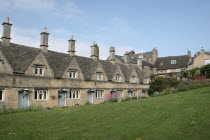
<point x="39" y="76"/>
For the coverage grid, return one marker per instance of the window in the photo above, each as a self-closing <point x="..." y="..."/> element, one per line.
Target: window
<point x="134" y="93"/>
<point x="134" y="79"/>
<point x="99" y="76"/>
<point x="178" y="70"/>
<point x="161" y="63"/>
<point x="207" y="62"/>
<point x="1" y="95"/>
<point x="40" y="95"/>
<point x="39" y="71"/>
<point x="120" y="93"/>
<point x="118" y="78"/>
<point x="74" y="94"/>
<point x="99" y="93"/>
<point x="73" y="74"/>
<point x="173" y="61"/>
<point x="168" y="71"/>
<point x="146" y="80"/>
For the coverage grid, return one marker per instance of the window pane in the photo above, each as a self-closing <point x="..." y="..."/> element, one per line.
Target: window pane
<point x="36" y="71"/>
<point x="45" y="94"/>
<point x="40" y="71"/>
<point x="35" y="95"/>
<point x="70" y="94"/>
<point x="1" y="95"/>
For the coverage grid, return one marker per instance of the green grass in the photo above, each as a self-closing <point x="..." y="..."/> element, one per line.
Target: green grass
<point x="181" y="116"/>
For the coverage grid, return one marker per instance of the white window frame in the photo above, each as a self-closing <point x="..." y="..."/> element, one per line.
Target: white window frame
<point x="99" y="76"/>
<point x="173" y="61"/>
<point x="74" y="94"/>
<point x="2" y="95"/>
<point x="99" y="94"/>
<point x="207" y="61"/>
<point x="118" y="78"/>
<point x="134" y="93"/>
<point x="39" y="71"/>
<point x="73" y="74"/>
<point x="120" y="92"/>
<point x="178" y="70"/>
<point x="40" y="95"/>
<point x="146" y="80"/>
<point x="168" y="71"/>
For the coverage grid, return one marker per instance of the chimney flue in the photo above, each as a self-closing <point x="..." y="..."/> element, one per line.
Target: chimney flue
<point x="112" y="53"/>
<point x="94" y="51"/>
<point x="139" y="61"/>
<point x="126" y="59"/>
<point x="44" y="40"/>
<point x="72" y="46"/>
<point x="6" y="32"/>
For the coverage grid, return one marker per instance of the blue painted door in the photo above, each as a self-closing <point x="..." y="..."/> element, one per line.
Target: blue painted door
<point x="61" y="99"/>
<point x="90" y="98"/>
<point x="23" y="100"/>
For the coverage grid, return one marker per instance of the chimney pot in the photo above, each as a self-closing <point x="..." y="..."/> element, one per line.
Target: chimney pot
<point x="7" y="20"/>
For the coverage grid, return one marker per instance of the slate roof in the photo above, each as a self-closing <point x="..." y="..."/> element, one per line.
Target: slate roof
<point x="145" y="54"/>
<point x="87" y="65"/>
<point x="181" y="62"/>
<point x="58" y="62"/>
<point x="133" y="60"/>
<point x="109" y="68"/>
<point x="20" y="57"/>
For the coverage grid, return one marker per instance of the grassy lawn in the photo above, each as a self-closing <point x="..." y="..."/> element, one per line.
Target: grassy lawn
<point x="181" y="116"/>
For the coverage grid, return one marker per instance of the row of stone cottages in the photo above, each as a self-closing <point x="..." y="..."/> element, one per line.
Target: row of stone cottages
<point x="38" y="76"/>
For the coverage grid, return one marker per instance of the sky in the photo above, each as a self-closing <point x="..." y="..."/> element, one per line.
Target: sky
<point x="171" y="26"/>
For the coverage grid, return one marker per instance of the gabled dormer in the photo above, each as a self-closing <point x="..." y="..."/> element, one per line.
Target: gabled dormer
<point x="99" y="74"/>
<point x="39" y="67"/>
<point x="134" y="77"/>
<point x="118" y="75"/>
<point x="73" y="70"/>
<point x="5" y="67"/>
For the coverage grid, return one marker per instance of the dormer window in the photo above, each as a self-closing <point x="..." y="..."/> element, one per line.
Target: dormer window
<point x="39" y="71"/>
<point x="118" y="78"/>
<point x="161" y="63"/>
<point x="99" y="76"/>
<point x="173" y="61"/>
<point x="146" y="80"/>
<point x="72" y="74"/>
<point x="134" y="79"/>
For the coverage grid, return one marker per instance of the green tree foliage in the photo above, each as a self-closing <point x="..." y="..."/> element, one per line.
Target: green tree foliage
<point x="161" y="83"/>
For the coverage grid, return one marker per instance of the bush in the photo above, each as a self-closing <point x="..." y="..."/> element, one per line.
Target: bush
<point x="167" y="91"/>
<point x="126" y="99"/>
<point x="150" y="91"/>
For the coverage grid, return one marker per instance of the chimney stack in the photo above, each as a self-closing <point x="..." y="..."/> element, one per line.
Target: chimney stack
<point x="132" y="53"/>
<point x="112" y="54"/>
<point x="94" y="51"/>
<point x="6" y="32"/>
<point x="126" y="59"/>
<point x="44" y="40"/>
<point x="72" y="46"/>
<point x="189" y="53"/>
<point x="139" y="61"/>
<point x="202" y="51"/>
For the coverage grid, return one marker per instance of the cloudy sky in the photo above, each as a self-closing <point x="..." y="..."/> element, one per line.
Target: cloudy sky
<point x="171" y="26"/>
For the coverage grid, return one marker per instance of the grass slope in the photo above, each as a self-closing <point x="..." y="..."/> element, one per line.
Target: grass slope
<point x="181" y="116"/>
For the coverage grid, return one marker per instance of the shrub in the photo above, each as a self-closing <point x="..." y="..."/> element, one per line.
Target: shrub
<point x="167" y="91"/>
<point x="150" y="91"/>
<point x="126" y="99"/>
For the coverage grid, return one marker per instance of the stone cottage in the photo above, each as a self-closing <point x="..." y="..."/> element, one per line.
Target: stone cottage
<point x="39" y="76"/>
